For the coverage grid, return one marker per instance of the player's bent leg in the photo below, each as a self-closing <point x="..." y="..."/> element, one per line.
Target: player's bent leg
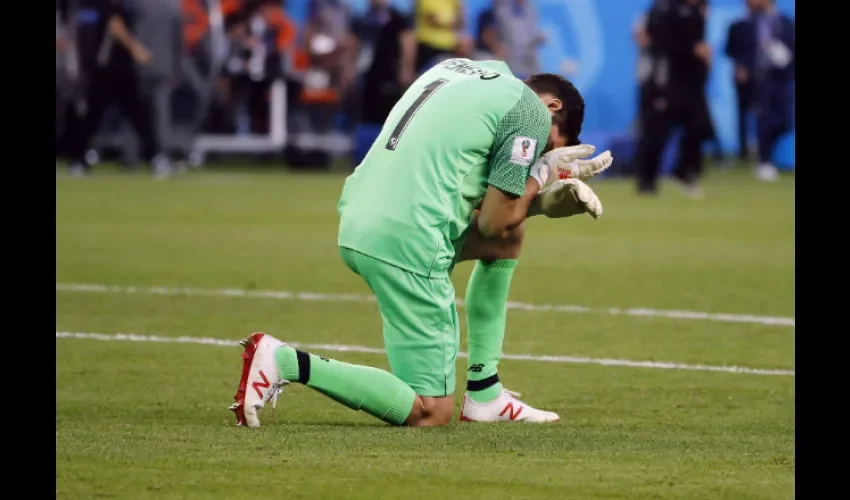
<point x="486" y="318"/>
<point x="421" y="333"/>
<point x="269" y="365"/>
<point x="486" y="314"/>
<point x="421" y="337"/>
<point x="486" y="310"/>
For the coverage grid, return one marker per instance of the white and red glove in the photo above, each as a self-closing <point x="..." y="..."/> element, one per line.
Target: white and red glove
<point x="567" y="197"/>
<point x="569" y="163"/>
<point x="560" y="173"/>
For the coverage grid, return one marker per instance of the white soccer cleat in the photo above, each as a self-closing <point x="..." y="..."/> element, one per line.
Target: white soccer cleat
<point x="505" y="408"/>
<point x="261" y="381"/>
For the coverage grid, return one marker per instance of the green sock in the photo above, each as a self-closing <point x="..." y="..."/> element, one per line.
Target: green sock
<point x="486" y="316"/>
<point x="377" y="392"/>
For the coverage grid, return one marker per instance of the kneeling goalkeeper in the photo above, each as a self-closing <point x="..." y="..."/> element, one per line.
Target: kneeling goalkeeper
<point x="453" y="175"/>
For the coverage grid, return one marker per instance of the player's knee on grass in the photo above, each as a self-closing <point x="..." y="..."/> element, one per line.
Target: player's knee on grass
<point x="430" y="411"/>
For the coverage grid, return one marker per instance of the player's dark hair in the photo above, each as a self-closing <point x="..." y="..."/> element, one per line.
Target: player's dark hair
<point x="571" y="116"/>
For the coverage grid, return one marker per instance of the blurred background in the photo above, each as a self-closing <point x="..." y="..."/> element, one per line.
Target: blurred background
<point x="306" y="84"/>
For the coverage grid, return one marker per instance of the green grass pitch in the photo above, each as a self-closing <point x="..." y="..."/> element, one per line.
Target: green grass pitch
<point x="707" y="284"/>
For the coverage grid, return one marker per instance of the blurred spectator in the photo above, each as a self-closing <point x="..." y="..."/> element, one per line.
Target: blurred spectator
<point x="67" y="69"/>
<point x="706" y="133"/>
<point x="159" y="26"/>
<point x="644" y="75"/>
<point x="645" y="63"/>
<point x="675" y="92"/>
<point x="764" y="53"/>
<point x="221" y="117"/>
<point x="743" y="59"/>
<point x="329" y="43"/>
<point x="260" y="35"/>
<point x="388" y="37"/>
<point x="519" y="35"/>
<point x="488" y="43"/>
<point x="387" y="45"/>
<point x="110" y="56"/>
<point x="326" y="70"/>
<point x="191" y="97"/>
<point x="437" y="25"/>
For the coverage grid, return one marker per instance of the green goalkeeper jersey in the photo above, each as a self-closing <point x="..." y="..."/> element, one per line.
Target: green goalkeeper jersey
<point x="461" y="126"/>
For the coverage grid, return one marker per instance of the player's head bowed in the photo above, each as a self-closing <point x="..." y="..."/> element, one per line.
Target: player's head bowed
<point x="566" y="105"/>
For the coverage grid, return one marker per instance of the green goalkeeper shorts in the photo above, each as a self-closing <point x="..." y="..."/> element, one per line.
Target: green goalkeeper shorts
<point x="420" y="323"/>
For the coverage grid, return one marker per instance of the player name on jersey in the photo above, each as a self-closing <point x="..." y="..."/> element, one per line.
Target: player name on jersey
<point x="466" y="68"/>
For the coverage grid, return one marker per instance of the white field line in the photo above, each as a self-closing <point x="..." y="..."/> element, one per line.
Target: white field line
<point x="334" y="297"/>
<point x="664" y="365"/>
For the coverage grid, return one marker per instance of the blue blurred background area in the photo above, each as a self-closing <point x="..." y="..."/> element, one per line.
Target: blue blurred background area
<point x="591" y="41"/>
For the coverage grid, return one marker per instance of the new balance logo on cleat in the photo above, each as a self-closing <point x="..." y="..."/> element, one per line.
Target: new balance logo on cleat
<point x="264" y="384"/>
<point x="476" y="368"/>
<point x="510" y="408"/>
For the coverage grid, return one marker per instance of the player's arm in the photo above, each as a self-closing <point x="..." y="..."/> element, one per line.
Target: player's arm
<point x="520" y="138"/>
<point x="501" y="213"/>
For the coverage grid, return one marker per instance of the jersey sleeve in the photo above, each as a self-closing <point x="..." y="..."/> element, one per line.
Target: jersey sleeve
<point x="520" y="138"/>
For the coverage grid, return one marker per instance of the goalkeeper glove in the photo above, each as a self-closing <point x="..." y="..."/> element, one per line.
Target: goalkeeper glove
<point x="566" y="163"/>
<point x="565" y="198"/>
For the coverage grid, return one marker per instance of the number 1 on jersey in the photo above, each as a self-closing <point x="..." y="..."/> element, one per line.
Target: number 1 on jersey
<point x="432" y="87"/>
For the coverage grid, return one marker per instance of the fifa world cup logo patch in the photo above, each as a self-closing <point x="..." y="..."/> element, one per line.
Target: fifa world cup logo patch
<point x="522" y="150"/>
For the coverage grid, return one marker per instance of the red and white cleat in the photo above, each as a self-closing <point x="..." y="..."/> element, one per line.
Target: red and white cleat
<point x="261" y="381"/>
<point x="505" y="408"/>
